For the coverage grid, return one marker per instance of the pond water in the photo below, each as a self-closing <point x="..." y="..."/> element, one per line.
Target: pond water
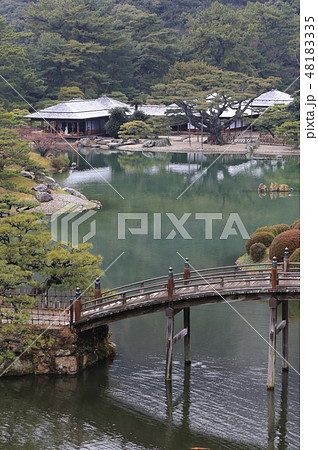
<point x="220" y="401"/>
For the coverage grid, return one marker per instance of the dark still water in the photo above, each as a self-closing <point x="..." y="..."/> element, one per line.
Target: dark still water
<point x="221" y="401"/>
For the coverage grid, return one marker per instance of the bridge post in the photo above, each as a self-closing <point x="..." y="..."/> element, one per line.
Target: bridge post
<point x="170" y="283"/>
<point x="285" y="365"/>
<point x="186" y="272"/>
<point x="286" y="260"/>
<point x="272" y="344"/>
<point x="274" y="273"/>
<point x="97" y="293"/>
<point x="78" y="304"/>
<point x="169" y="349"/>
<point x="186" y="339"/>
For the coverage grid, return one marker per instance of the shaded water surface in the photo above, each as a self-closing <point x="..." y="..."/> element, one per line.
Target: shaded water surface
<point x="219" y="402"/>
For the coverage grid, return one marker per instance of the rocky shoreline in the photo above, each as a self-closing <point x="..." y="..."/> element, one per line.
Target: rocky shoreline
<point x="53" y="199"/>
<point x="177" y="144"/>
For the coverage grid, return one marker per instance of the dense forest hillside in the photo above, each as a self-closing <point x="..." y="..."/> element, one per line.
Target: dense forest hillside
<point x="127" y="47"/>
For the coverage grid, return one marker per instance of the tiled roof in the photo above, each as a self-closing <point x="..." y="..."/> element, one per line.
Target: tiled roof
<point x="272" y="97"/>
<point x="78" y="108"/>
<point x="157" y="110"/>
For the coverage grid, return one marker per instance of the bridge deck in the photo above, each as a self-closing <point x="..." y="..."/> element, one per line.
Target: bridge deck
<point x="216" y="285"/>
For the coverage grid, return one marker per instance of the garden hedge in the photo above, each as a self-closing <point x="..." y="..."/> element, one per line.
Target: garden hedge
<point x="295" y="257"/>
<point x="289" y="239"/>
<point x="257" y="251"/>
<point x="262" y="236"/>
<point x="294" y="224"/>
<point x="274" y="229"/>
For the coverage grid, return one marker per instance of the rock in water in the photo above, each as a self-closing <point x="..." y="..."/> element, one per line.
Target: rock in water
<point x="262" y="187"/>
<point x="84" y="142"/>
<point x="98" y="204"/>
<point x="284" y="188"/>
<point x="113" y="145"/>
<point x="157" y="143"/>
<point x="43" y="196"/>
<point x="148" y="144"/>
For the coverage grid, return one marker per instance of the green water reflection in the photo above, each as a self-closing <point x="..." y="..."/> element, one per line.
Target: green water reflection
<point x="151" y="184"/>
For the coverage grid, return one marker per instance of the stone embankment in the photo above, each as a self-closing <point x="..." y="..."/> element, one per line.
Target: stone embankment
<point x="59" y="352"/>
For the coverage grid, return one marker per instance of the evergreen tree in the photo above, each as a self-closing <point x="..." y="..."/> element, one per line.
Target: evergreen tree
<point x="73" y="44"/>
<point x="204" y="93"/>
<point x="27" y="250"/>
<point x="15" y="68"/>
<point x="118" y="116"/>
<point x="155" y="47"/>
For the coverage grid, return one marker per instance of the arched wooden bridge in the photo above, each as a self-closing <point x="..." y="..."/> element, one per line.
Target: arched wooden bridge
<point x="275" y="282"/>
<point x="213" y="285"/>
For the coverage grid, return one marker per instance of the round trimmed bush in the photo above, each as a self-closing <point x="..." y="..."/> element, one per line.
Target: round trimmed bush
<point x="289" y="239"/>
<point x="262" y="236"/>
<point x="268" y="229"/>
<point x="280" y="228"/>
<point x="295" y="257"/>
<point x="292" y="226"/>
<point x="274" y="229"/>
<point x="257" y="251"/>
<point x="297" y="226"/>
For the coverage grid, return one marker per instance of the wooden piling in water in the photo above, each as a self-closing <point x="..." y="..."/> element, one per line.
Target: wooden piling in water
<point x="169" y="348"/>
<point x="285" y="365"/>
<point x="186" y="339"/>
<point x="272" y="344"/>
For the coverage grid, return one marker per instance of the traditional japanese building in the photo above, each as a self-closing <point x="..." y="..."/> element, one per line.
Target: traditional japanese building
<point x="257" y="107"/>
<point x="77" y="117"/>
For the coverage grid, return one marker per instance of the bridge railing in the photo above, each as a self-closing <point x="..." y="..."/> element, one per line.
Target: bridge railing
<point x="219" y="279"/>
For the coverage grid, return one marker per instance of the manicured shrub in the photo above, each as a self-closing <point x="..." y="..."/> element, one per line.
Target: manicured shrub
<point x="293" y="225"/>
<point x="289" y="239"/>
<point x="280" y="228"/>
<point x="135" y="129"/>
<point x="268" y="229"/>
<point x="274" y="229"/>
<point x="295" y="257"/>
<point x="257" y="251"/>
<point x="262" y="236"/>
<point x="296" y="226"/>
